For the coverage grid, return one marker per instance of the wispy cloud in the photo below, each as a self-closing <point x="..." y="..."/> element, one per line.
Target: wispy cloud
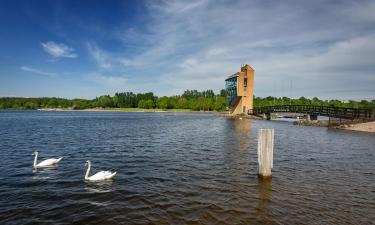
<point x="38" y="72"/>
<point x="59" y="50"/>
<point x="101" y="57"/>
<point x="315" y="45"/>
<point x="114" y="82"/>
<point x="316" y="48"/>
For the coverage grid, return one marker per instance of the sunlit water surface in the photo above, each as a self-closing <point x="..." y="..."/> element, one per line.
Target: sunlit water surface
<point x="181" y="168"/>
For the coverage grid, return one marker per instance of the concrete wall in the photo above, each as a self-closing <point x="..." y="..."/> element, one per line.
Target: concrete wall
<point x="237" y="108"/>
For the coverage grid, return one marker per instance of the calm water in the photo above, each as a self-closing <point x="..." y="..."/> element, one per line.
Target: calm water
<point x="181" y="169"/>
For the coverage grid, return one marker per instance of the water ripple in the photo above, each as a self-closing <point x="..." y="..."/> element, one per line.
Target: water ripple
<point x="192" y="168"/>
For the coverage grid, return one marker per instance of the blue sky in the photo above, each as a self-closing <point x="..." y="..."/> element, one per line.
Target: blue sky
<point x="84" y="49"/>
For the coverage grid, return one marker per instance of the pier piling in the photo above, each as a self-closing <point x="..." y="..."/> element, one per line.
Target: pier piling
<point x="265" y="152"/>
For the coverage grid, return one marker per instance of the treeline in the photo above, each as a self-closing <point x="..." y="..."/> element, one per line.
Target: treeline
<point x="190" y="99"/>
<point x="270" y="101"/>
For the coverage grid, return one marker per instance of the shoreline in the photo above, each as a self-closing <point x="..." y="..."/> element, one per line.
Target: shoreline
<point x="368" y="127"/>
<point x="125" y="110"/>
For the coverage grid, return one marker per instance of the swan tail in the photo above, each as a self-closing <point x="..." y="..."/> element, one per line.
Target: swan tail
<point x="113" y="174"/>
<point x="59" y="159"/>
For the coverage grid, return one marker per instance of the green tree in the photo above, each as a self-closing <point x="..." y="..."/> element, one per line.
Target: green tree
<point x="182" y="103"/>
<point x="31" y="105"/>
<point x="146" y="104"/>
<point x="163" y="103"/>
<point x="105" y="101"/>
<point x="220" y="103"/>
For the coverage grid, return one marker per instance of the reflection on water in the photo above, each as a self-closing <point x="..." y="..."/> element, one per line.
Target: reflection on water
<point x="183" y="168"/>
<point x="263" y="209"/>
<point x="242" y="132"/>
<point x="99" y="186"/>
<point x="44" y="173"/>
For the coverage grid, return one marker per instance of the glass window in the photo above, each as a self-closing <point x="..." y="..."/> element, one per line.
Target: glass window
<point x="231" y="89"/>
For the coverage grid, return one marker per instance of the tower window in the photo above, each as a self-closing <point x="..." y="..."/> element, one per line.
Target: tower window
<point x="245" y="82"/>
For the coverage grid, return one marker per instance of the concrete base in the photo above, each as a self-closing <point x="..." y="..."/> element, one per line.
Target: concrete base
<point x="262" y="177"/>
<point x="313" y="117"/>
<point x="310" y="117"/>
<point x="266" y="116"/>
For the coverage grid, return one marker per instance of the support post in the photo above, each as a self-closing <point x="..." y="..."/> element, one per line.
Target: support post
<point x="313" y="117"/>
<point x="265" y="152"/>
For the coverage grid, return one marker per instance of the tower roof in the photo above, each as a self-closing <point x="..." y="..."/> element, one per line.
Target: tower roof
<point x="243" y="68"/>
<point x="247" y="66"/>
<point x="233" y="75"/>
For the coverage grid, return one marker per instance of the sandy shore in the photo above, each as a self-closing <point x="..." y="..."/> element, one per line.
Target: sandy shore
<point x="365" y="127"/>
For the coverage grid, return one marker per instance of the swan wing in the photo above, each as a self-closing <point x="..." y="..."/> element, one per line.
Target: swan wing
<point x="111" y="175"/>
<point x="48" y="162"/>
<point x="102" y="175"/>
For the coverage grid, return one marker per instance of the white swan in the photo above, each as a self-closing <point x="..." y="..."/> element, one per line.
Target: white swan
<point x="102" y="175"/>
<point x="45" y="163"/>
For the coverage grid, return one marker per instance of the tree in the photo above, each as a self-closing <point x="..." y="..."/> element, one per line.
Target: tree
<point x="223" y="93"/>
<point x="141" y="104"/>
<point x="190" y="99"/>
<point x="105" y="101"/>
<point x="163" y="103"/>
<point x="220" y="103"/>
<point x="182" y="103"/>
<point x="31" y="105"/>
<point x="146" y="104"/>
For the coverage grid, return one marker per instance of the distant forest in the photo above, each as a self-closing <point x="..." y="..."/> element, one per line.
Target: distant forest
<point x="190" y="99"/>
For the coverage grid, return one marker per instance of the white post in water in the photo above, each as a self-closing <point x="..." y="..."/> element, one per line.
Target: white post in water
<point x="265" y="152"/>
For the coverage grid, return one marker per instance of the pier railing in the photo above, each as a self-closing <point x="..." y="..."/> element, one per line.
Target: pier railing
<point x="329" y="111"/>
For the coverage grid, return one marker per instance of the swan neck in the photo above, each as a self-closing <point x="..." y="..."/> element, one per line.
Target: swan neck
<point x="35" y="158"/>
<point x="88" y="170"/>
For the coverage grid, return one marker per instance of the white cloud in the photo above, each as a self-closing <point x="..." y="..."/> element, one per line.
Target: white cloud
<point x="189" y="63"/>
<point x="178" y="7"/>
<point x="59" y="50"/>
<point x="216" y="52"/>
<point x="362" y="11"/>
<point x="101" y="57"/>
<point x="323" y="48"/>
<point x="319" y="46"/>
<point x="111" y="81"/>
<point x="38" y="72"/>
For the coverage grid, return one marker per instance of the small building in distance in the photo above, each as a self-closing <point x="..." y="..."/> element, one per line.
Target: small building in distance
<point x="240" y="90"/>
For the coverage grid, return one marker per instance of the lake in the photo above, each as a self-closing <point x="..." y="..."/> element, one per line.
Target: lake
<point x="181" y="168"/>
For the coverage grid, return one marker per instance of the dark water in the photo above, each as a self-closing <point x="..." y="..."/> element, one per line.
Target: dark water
<point x="181" y="169"/>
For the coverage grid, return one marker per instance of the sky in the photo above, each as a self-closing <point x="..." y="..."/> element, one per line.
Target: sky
<point x="85" y="49"/>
